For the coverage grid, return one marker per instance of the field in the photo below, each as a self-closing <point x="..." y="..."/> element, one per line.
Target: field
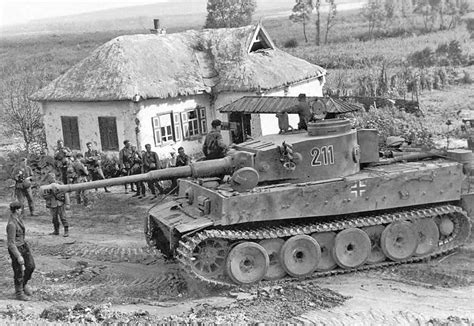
<point x="105" y="273"/>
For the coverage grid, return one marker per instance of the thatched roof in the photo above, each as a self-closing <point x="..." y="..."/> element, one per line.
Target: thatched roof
<point x="192" y="62"/>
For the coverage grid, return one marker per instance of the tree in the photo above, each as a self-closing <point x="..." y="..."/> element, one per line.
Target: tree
<point x="317" y="7"/>
<point x="301" y="13"/>
<point x="331" y="19"/>
<point x="374" y="12"/>
<point x="229" y="13"/>
<point x="21" y="116"/>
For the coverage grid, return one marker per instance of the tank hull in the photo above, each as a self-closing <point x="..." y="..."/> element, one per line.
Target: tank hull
<point x="427" y="191"/>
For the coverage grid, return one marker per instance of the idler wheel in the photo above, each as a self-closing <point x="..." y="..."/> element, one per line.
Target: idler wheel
<point x="275" y="269"/>
<point x="209" y="257"/>
<point x="376" y="253"/>
<point x="399" y="240"/>
<point x="352" y="248"/>
<point x="247" y="263"/>
<point x="326" y="242"/>
<point x="300" y="255"/>
<point x="428" y="236"/>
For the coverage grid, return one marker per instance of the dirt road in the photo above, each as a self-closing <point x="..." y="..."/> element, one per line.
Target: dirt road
<point x="105" y="264"/>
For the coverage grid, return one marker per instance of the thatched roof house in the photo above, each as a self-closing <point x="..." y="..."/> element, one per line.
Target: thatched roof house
<point x="148" y="70"/>
<point x="180" y="64"/>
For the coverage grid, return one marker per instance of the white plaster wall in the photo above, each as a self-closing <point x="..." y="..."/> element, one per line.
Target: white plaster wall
<point x="153" y="107"/>
<point x="87" y="114"/>
<point x="270" y="121"/>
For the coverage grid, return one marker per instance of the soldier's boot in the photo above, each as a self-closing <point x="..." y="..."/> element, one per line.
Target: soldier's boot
<point x="66" y="231"/>
<point x="56" y="231"/>
<point x="27" y="290"/>
<point x="20" y="295"/>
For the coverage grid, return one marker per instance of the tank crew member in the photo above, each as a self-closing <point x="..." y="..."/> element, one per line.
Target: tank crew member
<point x="23" y="176"/>
<point x="151" y="162"/>
<point x="62" y="156"/>
<point x="214" y="146"/>
<point x="23" y="263"/>
<point x="137" y="168"/>
<point x="80" y="175"/>
<point x="304" y="111"/>
<point x="57" y="202"/>
<point x="94" y="164"/>
<point x="125" y="160"/>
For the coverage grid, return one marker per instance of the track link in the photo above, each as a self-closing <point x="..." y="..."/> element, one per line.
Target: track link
<point x="459" y="235"/>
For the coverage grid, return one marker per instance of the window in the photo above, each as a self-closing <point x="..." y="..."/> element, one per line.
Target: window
<point x="162" y="129"/>
<point x="70" y="132"/>
<point x="177" y="126"/>
<point x="108" y="133"/>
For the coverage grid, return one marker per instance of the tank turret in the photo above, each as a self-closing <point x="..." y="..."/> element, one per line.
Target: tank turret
<point x="305" y="204"/>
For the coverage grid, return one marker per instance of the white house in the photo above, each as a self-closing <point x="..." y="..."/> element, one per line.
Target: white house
<point x="165" y="89"/>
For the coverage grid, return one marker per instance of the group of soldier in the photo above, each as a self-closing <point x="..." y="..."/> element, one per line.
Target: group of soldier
<point x="81" y="168"/>
<point x="133" y="162"/>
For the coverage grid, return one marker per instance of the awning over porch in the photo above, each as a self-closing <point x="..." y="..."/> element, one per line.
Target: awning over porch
<point x="276" y="104"/>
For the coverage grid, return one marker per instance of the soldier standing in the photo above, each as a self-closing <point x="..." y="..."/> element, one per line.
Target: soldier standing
<point x="181" y="160"/>
<point x="214" y="146"/>
<point x="23" y="263"/>
<point x="137" y="168"/>
<point x="125" y="160"/>
<point x="94" y="164"/>
<point x="23" y="176"/>
<point x="62" y="157"/>
<point x="151" y="162"/>
<point x="80" y="175"/>
<point x="57" y="202"/>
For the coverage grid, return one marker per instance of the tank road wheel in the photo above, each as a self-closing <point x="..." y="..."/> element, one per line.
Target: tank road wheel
<point x="428" y="236"/>
<point x="300" y="255"/>
<point x="275" y="270"/>
<point x="209" y="257"/>
<point x="352" y="248"/>
<point x="376" y="254"/>
<point x="399" y="240"/>
<point x="326" y="242"/>
<point x="247" y="263"/>
<point x="446" y="226"/>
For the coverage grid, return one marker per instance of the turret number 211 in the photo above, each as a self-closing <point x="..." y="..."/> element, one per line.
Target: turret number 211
<point x="323" y="155"/>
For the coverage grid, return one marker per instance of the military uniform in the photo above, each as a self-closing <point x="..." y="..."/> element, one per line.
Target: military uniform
<point x="80" y="175"/>
<point x="137" y="168"/>
<point x="22" y="177"/>
<point x="56" y="202"/>
<point x="62" y="156"/>
<point x="152" y="162"/>
<point x="20" y="255"/>
<point x="214" y="146"/>
<point x="125" y="162"/>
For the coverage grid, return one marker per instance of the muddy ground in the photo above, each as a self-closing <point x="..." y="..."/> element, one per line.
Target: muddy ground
<point x="104" y="273"/>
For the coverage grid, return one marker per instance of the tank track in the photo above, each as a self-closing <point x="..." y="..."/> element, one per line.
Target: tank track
<point x="459" y="235"/>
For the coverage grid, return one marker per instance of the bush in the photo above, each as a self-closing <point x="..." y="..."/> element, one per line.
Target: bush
<point x="291" y="43"/>
<point x="390" y="121"/>
<point x="466" y="79"/>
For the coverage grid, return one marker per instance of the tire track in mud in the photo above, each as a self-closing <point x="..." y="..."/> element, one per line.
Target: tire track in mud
<point x="140" y="255"/>
<point x="375" y="317"/>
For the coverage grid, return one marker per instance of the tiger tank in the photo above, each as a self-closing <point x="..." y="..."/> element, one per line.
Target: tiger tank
<point x="306" y="204"/>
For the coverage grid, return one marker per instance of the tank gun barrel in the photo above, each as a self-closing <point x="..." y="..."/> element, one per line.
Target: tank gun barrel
<point x="198" y="169"/>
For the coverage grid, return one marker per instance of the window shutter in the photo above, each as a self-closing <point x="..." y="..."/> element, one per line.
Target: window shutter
<point x="71" y="132"/>
<point x="177" y="126"/>
<point x="108" y="133"/>
<point x="202" y="119"/>
<point x="155" y="121"/>
<point x="184" y="121"/>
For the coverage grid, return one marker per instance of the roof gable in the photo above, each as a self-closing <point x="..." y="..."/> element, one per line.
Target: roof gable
<point x="179" y="64"/>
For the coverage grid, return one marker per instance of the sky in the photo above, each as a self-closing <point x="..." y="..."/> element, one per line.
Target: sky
<point x="21" y="11"/>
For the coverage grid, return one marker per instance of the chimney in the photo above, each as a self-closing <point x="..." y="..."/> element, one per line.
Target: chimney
<point x="156" y="27"/>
